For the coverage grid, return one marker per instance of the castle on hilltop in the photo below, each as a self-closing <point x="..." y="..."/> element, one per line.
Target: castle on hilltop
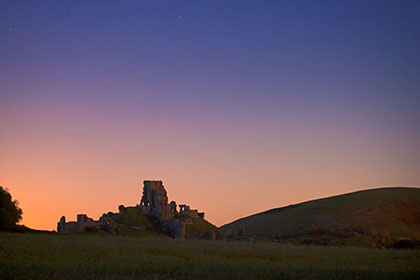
<point x="154" y="202"/>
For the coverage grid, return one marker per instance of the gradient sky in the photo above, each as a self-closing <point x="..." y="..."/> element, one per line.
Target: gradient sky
<point x="238" y="106"/>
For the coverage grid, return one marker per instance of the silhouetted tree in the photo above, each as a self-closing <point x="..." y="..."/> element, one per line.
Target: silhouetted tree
<point x="10" y="213"/>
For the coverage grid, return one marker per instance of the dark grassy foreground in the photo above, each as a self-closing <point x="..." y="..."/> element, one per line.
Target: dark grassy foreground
<point x="53" y="256"/>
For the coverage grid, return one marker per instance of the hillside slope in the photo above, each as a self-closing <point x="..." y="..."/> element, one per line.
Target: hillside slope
<point x="394" y="210"/>
<point x="131" y="221"/>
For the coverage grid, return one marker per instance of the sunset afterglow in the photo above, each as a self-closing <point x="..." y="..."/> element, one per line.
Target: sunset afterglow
<point x="237" y="106"/>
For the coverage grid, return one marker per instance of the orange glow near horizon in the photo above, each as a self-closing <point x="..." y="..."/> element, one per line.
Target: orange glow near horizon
<point x="236" y="108"/>
<point x="227" y="173"/>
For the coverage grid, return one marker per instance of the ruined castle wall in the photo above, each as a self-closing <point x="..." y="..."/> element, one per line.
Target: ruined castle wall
<point x="155" y="200"/>
<point x="191" y="213"/>
<point x="84" y="224"/>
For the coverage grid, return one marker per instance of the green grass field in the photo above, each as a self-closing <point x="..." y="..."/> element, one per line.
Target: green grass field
<point x="84" y="256"/>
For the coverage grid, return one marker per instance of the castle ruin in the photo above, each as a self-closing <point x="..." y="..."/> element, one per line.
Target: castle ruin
<point x="86" y="224"/>
<point x="154" y="202"/>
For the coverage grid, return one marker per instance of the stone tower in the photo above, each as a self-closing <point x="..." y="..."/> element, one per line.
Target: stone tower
<point x="155" y="200"/>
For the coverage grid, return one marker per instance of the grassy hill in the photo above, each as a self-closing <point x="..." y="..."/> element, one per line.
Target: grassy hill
<point x="131" y="221"/>
<point x="384" y="212"/>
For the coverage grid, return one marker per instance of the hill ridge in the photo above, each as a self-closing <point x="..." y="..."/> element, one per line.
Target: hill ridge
<point x="316" y="199"/>
<point x="392" y="209"/>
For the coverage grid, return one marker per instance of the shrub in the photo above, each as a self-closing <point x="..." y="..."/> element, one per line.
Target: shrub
<point x="309" y="241"/>
<point x="92" y="229"/>
<point x="405" y="244"/>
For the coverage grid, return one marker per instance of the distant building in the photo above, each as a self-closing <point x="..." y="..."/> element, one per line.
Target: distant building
<point x="153" y="202"/>
<point x="86" y="224"/>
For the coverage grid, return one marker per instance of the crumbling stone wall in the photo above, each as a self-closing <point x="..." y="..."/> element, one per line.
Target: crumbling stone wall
<point x="155" y="200"/>
<point x="193" y="213"/>
<point x="84" y="224"/>
<point x="175" y="228"/>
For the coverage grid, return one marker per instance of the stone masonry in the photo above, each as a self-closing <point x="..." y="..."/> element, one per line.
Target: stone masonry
<point x="154" y="202"/>
<point x="84" y="224"/>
